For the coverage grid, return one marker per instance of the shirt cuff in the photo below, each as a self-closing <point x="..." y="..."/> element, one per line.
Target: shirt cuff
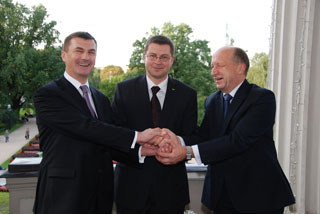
<point x="196" y="153"/>
<point x="134" y="140"/>
<point x="181" y="141"/>
<point x="141" y="158"/>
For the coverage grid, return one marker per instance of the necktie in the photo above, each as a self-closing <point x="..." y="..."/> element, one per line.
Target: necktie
<point x="85" y="90"/>
<point x="227" y="98"/>
<point x="155" y="106"/>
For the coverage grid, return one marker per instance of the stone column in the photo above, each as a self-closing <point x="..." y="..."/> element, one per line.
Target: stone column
<point x="294" y="76"/>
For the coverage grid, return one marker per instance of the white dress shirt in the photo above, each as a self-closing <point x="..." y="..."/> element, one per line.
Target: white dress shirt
<point x="161" y="93"/>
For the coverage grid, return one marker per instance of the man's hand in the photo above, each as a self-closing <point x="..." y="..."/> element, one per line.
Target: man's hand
<point x="149" y="136"/>
<point x="149" y="150"/>
<point x="171" y="151"/>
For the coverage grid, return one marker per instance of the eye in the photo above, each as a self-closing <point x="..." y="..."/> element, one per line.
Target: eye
<point x="92" y="53"/>
<point x="152" y="56"/>
<point x="164" y="58"/>
<point x="78" y="50"/>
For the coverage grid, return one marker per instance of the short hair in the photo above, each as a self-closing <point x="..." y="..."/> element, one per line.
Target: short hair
<point x="240" y="56"/>
<point x="79" y="34"/>
<point x="161" y="40"/>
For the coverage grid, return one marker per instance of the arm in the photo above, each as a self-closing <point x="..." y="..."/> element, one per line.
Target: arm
<point x="255" y="124"/>
<point x="251" y="125"/>
<point x="58" y="112"/>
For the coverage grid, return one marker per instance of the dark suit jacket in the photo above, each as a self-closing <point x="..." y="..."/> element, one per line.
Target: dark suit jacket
<point x="76" y="173"/>
<point x="168" y="184"/>
<point x="240" y="152"/>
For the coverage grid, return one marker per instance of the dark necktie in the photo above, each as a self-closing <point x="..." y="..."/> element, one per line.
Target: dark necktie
<point x="227" y="98"/>
<point x="85" y="90"/>
<point x="155" y="106"/>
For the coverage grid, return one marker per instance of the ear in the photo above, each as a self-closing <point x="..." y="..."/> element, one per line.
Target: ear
<point x="63" y="55"/>
<point x="144" y="57"/>
<point x="241" y="68"/>
<point x="172" y="60"/>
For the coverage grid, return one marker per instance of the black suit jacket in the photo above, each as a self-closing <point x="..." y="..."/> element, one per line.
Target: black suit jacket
<point x="168" y="184"/>
<point x="76" y="172"/>
<point x="240" y="152"/>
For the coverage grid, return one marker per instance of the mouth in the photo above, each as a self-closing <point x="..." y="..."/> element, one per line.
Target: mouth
<point x="218" y="79"/>
<point x="84" y="64"/>
<point x="158" y="67"/>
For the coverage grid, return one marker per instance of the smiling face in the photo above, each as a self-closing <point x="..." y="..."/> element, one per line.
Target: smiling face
<point x="227" y="73"/>
<point x="79" y="58"/>
<point x="158" y="61"/>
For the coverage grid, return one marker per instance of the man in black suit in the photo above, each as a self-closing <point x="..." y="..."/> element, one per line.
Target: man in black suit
<point x="76" y="137"/>
<point x="235" y="140"/>
<point x="154" y="188"/>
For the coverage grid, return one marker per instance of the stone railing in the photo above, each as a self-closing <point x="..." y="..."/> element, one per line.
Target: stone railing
<point x="22" y="176"/>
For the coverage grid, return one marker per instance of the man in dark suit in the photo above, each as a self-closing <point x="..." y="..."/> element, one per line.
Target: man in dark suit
<point x="235" y="140"/>
<point x="76" y="137"/>
<point x="154" y="188"/>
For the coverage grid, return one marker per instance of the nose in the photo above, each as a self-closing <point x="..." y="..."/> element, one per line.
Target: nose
<point x="213" y="71"/>
<point x="157" y="60"/>
<point x="85" y="55"/>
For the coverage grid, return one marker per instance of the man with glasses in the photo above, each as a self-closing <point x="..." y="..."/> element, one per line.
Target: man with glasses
<point x="148" y="101"/>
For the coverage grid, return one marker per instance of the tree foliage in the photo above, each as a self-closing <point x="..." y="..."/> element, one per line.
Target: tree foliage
<point x="258" y="71"/>
<point x="109" y="71"/>
<point x="108" y="86"/>
<point x="28" y="58"/>
<point x="94" y="78"/>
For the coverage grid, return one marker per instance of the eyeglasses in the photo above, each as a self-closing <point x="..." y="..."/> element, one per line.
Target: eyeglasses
<point x="163" y="58"/>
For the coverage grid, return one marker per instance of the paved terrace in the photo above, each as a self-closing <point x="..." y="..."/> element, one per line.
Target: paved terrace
<point x="16" y="141"/>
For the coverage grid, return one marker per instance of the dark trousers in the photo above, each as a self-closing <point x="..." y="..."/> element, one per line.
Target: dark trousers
<point x="150" y="210"/>
<point x="225" y="206"/>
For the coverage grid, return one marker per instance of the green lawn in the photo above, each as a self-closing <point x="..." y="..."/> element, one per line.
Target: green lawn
<point x="4" y="203"/>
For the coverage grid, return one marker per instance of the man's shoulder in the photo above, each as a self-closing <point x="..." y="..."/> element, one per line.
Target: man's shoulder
<point x="181" y="85"/>
<point x="97" y="92"/>
<point x="131" y="82"/>
<point x="214" y="95"/>
<point x="52" y="85"/>
<point x="259" y="91"/>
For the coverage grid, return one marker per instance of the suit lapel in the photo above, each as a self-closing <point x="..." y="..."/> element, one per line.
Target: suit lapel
<point x="97" y="104"/>
<point x="237" y="101"/>
<point x="73" y="96"/>
<point x="141" y="89"/>
<point x="170" y="98"/>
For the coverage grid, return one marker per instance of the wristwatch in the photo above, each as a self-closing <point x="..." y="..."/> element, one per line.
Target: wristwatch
<point x="189" y="154"/>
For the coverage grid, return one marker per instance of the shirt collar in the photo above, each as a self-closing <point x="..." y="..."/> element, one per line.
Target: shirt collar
<point x="74" y="82"/>
<point x="162" y="85"/>
<point x="234" y="91"/>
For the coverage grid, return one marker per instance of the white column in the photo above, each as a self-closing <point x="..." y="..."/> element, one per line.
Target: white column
<point x="294" y="77"/>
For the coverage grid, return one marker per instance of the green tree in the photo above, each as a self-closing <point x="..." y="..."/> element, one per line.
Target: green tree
<point x="28" y="58"/>
<point x="108" y="86"/>
<point x="94" y="78"/>
<point x="109" y="71"/>
<point x="258" y="71"/>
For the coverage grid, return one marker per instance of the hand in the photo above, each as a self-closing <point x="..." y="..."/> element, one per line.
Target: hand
<point x="149" y="150"/>
<point x="170" y="143"/>
<point x="147" y="136"/>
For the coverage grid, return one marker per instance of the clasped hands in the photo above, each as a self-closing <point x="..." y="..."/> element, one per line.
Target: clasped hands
<point x="163" y="144"/>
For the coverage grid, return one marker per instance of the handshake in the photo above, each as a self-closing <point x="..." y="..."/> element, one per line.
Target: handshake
<point x="163" y="144"/>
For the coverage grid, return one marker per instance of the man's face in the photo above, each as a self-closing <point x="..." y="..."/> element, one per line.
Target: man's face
<point x="158" y="61"/>
<point x="226" y="73"/>
<point x="80" y="58"/>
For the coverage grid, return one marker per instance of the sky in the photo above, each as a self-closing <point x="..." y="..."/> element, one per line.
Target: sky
<point x="117" y="24"/>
